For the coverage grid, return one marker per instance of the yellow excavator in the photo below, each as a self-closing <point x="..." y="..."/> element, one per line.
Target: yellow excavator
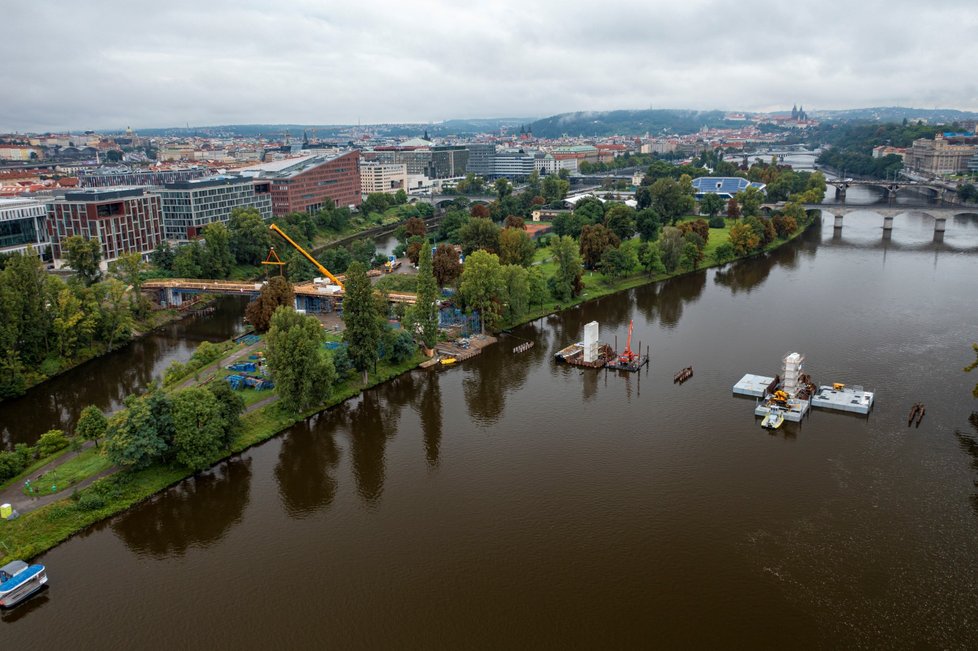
<point x="323" y="270"/>
<point x="780" y="396"/>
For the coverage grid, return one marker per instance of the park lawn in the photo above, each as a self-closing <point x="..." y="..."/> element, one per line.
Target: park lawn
<point x="31" y="469"/>
<point x="86" y="463"/>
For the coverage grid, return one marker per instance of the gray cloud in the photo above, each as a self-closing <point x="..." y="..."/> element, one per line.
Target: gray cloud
<point x="114" y="63"/>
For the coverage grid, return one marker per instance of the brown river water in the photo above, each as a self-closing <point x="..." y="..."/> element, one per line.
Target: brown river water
<point x="511" y="502"/>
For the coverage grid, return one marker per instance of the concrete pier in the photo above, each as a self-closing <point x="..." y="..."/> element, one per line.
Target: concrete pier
<point x="888" y="223"/>
<point x="838" y="221"/>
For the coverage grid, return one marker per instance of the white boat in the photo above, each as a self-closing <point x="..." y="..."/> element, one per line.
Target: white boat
<point x="773" y="419"/>
<point x="18" y="581"/>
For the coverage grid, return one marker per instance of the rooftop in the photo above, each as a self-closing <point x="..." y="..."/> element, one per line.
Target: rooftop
<point x="283" y="169"/>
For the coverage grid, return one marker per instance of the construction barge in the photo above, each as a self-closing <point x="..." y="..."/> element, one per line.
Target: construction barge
<point x="592" y="353"/>
<point x="793" y="393"/>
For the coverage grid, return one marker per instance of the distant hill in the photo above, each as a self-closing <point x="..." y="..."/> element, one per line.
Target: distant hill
<point x="607" y="123"/>
<point x="896" y="114"/>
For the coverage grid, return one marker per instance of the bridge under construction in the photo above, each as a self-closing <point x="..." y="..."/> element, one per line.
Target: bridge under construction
<point x="312" y="297"/>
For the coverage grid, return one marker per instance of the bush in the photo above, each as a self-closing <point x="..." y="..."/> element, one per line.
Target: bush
<point x="52" y="441"/>
<point x="724" y="253"/>
<point x="11" y="465"/>
<point x="90" y="501"/>
<point x="717" y="222"/>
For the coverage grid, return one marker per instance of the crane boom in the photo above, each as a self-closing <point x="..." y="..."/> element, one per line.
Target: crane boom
<point x="323" y="270"/>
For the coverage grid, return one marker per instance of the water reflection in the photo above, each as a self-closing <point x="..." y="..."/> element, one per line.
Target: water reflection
<point x="306" y="462"/>
<point x="26" y="608"/>
<point x="665" y="301"/>
<point x="486" y="385"/>
<point x="197" y="512"/>
<point x="969" y="445"/>
<point x="430" y="413"/>
<point x="106" y="381"/>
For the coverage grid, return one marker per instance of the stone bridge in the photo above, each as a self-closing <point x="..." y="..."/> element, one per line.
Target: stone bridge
<point x="940" y="215"/>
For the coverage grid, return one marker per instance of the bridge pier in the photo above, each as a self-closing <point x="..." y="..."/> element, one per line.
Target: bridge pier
<point x="940" y="225"/>
<point x="840" y="194"/>
<point x="888" y="223"/>
<point x="838" y="221"/>
<point x="171" y="297"/>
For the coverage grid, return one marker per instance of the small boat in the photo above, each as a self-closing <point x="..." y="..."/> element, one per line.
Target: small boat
<point x="448" y="361"/>
<point x="773" y="419"/>
<point x="18" y="581"/>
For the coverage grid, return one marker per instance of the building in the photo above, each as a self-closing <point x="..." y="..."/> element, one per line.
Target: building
<point x="18" y="153"/>
<point x="941" y="155"/>
<point x="190" y="205"/>
<point x="544" y="163"/>
<point x="124" y="220"/>
<point x="513" y="164"/>
<point x="129" y="177"/>
<point x="448" y="161"/>
<point x="724" y="186"/>
<point x="305" y="184"/>
<point x="481" y="157"/>
<point x="973" y="164"/>
<point x="383" y="177"/>
<point x="22" y="225"/>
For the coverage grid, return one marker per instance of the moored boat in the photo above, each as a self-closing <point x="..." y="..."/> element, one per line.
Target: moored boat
<point x="448" y="361"/>
<point x="773" y="419"/>
<point x="18" y="581"/>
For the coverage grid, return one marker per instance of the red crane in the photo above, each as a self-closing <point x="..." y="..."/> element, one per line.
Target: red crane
<point x="628" y="357"/>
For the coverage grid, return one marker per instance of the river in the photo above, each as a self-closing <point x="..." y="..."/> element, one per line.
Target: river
<point x="512" y="502"/>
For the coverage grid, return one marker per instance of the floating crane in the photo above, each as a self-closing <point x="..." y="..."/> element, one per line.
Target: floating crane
<point x="323" y="270"/>
<point x="628" y="357"/>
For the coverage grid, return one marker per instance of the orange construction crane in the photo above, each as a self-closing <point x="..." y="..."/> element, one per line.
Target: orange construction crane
<point x="323" y="270"/>
<point x="628" y="357"/>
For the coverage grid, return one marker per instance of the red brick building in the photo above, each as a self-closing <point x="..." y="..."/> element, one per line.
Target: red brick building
<point x="124" y="220"/>
<point x="304" y="184"/>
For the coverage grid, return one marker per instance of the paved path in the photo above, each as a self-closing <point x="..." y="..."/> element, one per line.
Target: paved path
<point x="14" y="494"/>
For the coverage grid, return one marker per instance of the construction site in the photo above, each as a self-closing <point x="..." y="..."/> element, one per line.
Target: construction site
<point x="592" y="353"/>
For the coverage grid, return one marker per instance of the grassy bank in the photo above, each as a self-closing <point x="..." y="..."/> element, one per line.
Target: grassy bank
<point x="38" y="531"/>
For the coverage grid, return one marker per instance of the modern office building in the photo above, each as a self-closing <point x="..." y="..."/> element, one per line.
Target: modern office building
<point x="383" y="177"/>
<point x="448" y="161"/>
<point x="513" y="164"/>
<point x="188" y="206"/>
<point x="481" y="158"/>
<point x="304" y="184"/>
<point x="124" y="220"/>
<point x="22" y="226"/>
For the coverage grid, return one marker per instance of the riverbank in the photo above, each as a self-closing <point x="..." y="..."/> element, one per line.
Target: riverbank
<point x="156" y="320"/>
<point x="38" y="531"/>
<point x="46" y="527"/>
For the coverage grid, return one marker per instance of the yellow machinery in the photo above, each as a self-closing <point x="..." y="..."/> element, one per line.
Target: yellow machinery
<point x="780" y="396"/>
<point x="323" y="270"/>
<point x="838" y="386"/>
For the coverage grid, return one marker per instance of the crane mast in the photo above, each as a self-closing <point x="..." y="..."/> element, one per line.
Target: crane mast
<point x="323" y="270"/>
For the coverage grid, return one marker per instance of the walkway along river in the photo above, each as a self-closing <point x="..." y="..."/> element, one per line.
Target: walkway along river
<point x="510" y="501"/>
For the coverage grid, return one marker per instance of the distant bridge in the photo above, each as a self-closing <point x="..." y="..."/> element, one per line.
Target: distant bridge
<point x="939" y="215"/>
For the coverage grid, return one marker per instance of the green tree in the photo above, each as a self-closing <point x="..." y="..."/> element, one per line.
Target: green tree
<point x="569" y="223"/>
<point x="424" y="313"/>
<point x="516" y="279"/>
<point x="690" y="256"/>
<point x="451" y="225"/>
<point x="84" y="256"/>
<point x="671" y="245"/>
<point x="249" y="236"/>
<point x="68" y="317"/>
<point x="481" y="286"/>
<point x="620" y="220"/>
<point x="554" y="189"/>
<point x="131" y="440"/>
<point x="650" y="259"/>
<point x="516" y="247"/>
<point x="129" y="269"/>
<point x="671" y="200"/>
<point x="162" y="256"/>
<point x="363" y="320"/>
<point x="303" y="371"/>
<point x="231" y="407"/>
<point x="51" y="441"/>
<point x="92" y="424"/>
<point x="617" y="263"/>
<point x="566" y="281"/>
<point x="218" y="259"/>
<point x="277" y="292"/>
<point x="750" y="201"/>
<point x="479" y="234"/>
<point x="187" y="261"/>
<point x="503" y="188"/>
<point x="724" y="253"/>
<point x="711" y="205"/>
<point x="198" y="427"/>
<point x="590" y="209"/>
<point x="446" y="265"/>
<point x="595" y="240"/>
<point x="648" y="222"/>
<point x="116" y="321"/>
<point x="538" y="286"/>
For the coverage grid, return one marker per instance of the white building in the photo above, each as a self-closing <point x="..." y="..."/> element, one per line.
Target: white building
<point x="22" y="225"/>
<point x="383" y="177"/>
<point x="188" y="206"/>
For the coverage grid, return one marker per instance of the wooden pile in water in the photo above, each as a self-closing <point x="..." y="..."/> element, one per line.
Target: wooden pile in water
<point x="522" y="348"/>
<point x="917" y="411"/>
<point x="683" y="375"/>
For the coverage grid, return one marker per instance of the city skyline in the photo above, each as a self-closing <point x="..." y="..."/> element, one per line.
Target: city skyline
<point x="102" y="66"/>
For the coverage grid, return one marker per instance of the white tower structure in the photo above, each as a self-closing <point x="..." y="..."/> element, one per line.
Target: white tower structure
<point x="792" y="370"/>
<point x="591" y="342"/>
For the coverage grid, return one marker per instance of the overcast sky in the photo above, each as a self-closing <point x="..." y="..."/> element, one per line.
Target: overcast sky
<point x="109" y="64"/>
